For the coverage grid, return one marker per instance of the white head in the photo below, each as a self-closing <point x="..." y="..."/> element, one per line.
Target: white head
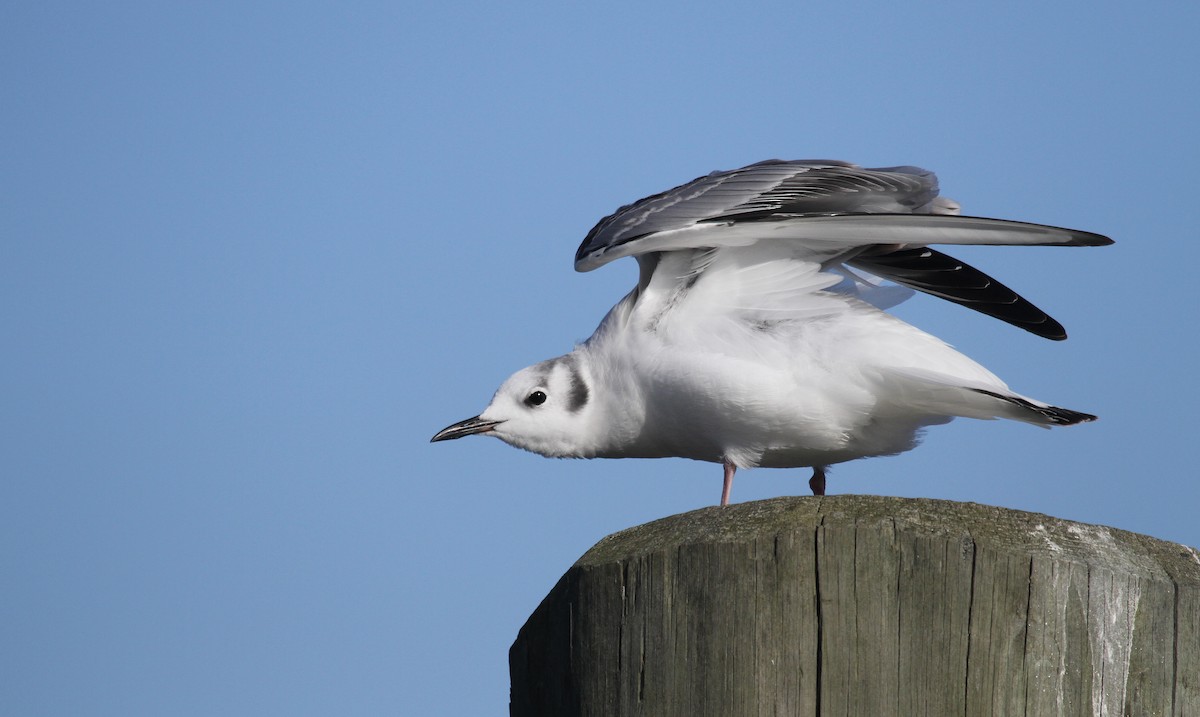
<point x="545" y="408"/>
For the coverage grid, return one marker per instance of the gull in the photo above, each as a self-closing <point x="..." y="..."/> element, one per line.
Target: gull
<point x="757" y="333"/>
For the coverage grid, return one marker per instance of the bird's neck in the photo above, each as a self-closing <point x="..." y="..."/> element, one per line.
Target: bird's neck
<point x="618" y="415"/>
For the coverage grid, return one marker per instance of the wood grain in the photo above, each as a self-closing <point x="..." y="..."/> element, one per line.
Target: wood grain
<point x="862" y="605"/>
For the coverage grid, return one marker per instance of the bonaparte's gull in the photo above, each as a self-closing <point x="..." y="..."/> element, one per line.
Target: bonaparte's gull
<point x="756" y="334"/>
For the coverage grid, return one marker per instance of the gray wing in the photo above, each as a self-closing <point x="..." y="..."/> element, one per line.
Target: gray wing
<point x="761" y="192"/>
<point x="880" y="219"/>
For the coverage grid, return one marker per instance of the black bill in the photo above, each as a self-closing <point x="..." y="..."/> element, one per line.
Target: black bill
<point x="464" y="428"/>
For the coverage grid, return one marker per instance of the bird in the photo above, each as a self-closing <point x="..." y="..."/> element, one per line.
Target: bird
<point x="758" y="333"/>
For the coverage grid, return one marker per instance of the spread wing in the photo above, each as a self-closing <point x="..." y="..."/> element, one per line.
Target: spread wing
<point x="877" y="220"/>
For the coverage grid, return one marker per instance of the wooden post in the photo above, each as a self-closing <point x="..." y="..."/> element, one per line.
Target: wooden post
<point x="862" y="605"/>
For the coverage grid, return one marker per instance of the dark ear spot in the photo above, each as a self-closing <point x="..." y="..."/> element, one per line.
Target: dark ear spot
<point x="578" y="393"/>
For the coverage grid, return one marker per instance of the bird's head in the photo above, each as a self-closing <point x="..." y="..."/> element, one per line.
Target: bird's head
<point x="544" y="408"/>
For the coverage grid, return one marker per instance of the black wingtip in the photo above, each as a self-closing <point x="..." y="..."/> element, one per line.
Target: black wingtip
<point x="1082" y="238"/>
<point x="1051" y="415"/>
<point x="1064" y="416"/>
<point x="1047" y="329"/>
<point x="945" y="277"/>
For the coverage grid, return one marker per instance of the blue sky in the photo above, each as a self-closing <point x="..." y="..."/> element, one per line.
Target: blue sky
<point x="253" y="257"/>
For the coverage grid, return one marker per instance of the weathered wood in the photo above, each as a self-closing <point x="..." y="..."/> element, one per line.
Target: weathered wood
<point x="860" y="605"/>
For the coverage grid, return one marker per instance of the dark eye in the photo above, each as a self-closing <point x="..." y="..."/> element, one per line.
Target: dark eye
<point x="536" y="398"/>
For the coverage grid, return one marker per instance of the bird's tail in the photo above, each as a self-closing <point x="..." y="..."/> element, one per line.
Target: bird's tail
<point x="949" y="396"/>
<point x="1031" y="411"/>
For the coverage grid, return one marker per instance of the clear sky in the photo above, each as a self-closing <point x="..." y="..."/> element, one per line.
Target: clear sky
<point x="252" y="256"/>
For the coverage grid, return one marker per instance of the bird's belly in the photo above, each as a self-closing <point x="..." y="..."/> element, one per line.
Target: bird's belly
<point x="799" y="416"/>
<point x="750" y="416"/>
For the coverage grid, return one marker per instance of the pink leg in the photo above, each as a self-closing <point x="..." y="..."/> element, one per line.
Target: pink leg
<point x="730" y="469"/>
